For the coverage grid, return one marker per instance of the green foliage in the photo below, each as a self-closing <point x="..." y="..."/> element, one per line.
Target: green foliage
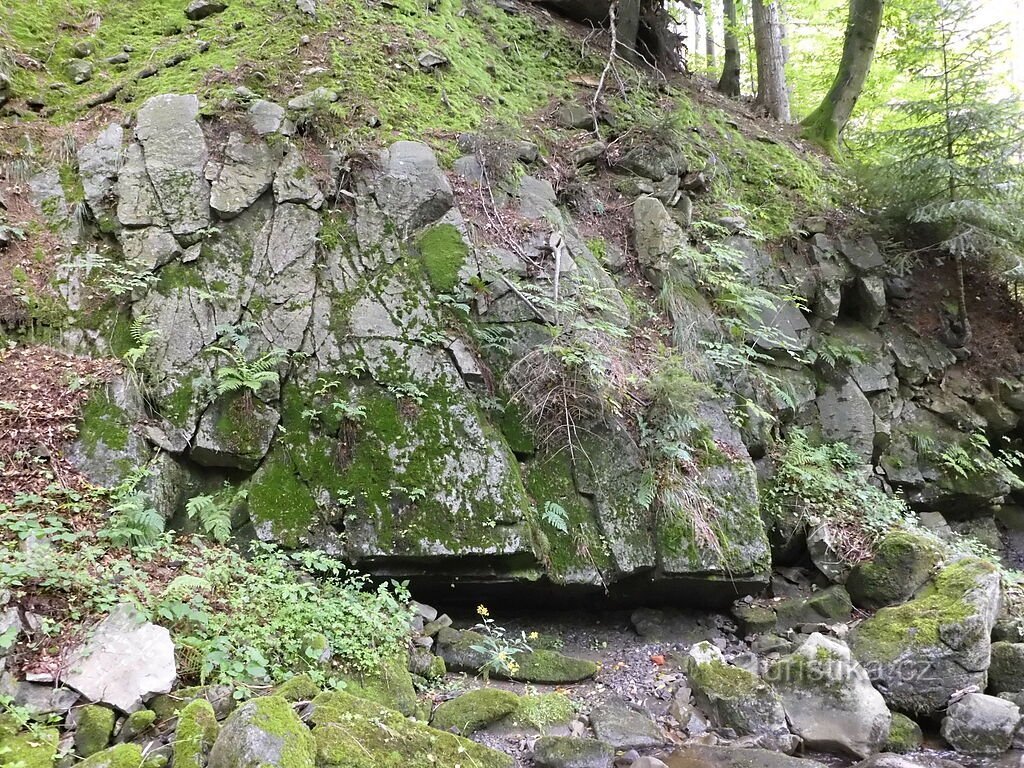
<point x="242" y="374"/>
<point x="213" y="512"/>
<point x="554" y="514"/>
<point x="142" y="339"/>
<point x="133" y="520"/>
<point x="947" y="160"/>
<point x="498" y="647"/>
<point x="114" y="276"/>
<point x="828" y="484"/>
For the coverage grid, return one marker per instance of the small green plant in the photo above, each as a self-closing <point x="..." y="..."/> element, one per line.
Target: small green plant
<point x="133" y="520"/>
<point x="828" y="484"/>
<point x="498" y="649"/>
<point x="142" y="339"/>
<point x="242" y="374"/>
<point x="554" y="514"/>
<point x="213" y="512"/>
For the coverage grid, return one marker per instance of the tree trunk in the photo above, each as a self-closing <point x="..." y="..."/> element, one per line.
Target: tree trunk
<point x="772" y="93"/>
<point x="825" y="125"/>
<point x="709" y="35"/>
<point x="729" y="84"/>
<point x="626" y="14"/>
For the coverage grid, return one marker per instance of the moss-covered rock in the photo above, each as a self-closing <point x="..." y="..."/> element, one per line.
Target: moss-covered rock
<point x="443" y="253"/>
<point x="540" y="666"/>
<point x="831" y="604"/>
<point x="95" y="727"/>
<point x="298" y="688"/>
<point x="904" y="735"/>
<point x="390" y="684"/>
<point x="1006" y="671"/>
<point x="167" y="705"/>
<point x="356" y="733"/>
<point x="27" y="750"/>
<point x="735" y="698"/>
<point x="263" y="732"/>
<point x="474" y="710"/>
<point x="121" y="756"/>
<point x="136" y="723"/>
<point x="565" y="752"/>
<point x="754" y="618"/>
<point x="195" y="735"/>
<point x="899" y="566"/>
<point x="919" y="653"/>
<point x="541" y="711"/>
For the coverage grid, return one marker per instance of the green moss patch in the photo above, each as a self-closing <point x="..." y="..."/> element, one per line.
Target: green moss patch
<point x="27" y="750"/>
<point x="197" y="730"/>
<point x="443" y="252"/>
<point x="474" y="710"/>
<point x="355" y="733"/>
<point x="95" y="726"/>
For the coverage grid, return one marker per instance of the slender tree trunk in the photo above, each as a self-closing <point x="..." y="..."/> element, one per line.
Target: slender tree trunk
<point x="709" y="35"/>
<point x="825" y="125"/>
<point x="729" y="84"/>
<point x="772" y="93"/>
<point x="963" y="332"/>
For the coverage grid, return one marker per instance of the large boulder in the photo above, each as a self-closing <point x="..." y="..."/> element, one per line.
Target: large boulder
<point x="734" y="698"/>
<point x="981" y="725"/>
<point x="900" y="565"/>
<point x="918" y="654"/>
<point x="263" y="733"/>
<point x="829" y="699"/>
<point x="124" y="661"/>
<point x="355" y="733"/>
<point x="474" y="710"/>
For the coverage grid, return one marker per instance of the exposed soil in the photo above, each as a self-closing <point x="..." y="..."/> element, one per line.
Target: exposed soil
<point x="997" y="319"/>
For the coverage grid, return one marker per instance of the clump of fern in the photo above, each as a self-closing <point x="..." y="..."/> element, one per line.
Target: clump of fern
<point x="212" y="512"/>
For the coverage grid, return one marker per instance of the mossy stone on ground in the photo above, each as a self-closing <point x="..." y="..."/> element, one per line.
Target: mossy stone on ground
<point x="298" y="688"/>
<point x="95" y="727"/>
<point x="389" y="684"/>
<point x="136" y="723"/>
<point x="540" y="711"/>
<point x="754" y="619"/>
<point x="1006" y="670"/>
<point x="904" y="735"/>
<point x="735" y="698"/>
<point x="566" y="752"/>
<point x="474" y="710"/>
<point x="540" y="666"/>
<point x="901" y="563"/>
<point x="195" y="735"/>
<point x="830" y="604"/>
<point x="356" y="733"/>
<point x="27" y="750"/>
<point x="121" y="756"/>
<point x="264" y="732"/>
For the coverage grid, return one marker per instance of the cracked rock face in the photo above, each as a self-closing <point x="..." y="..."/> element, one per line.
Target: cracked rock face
<point x="174" y="155"/>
